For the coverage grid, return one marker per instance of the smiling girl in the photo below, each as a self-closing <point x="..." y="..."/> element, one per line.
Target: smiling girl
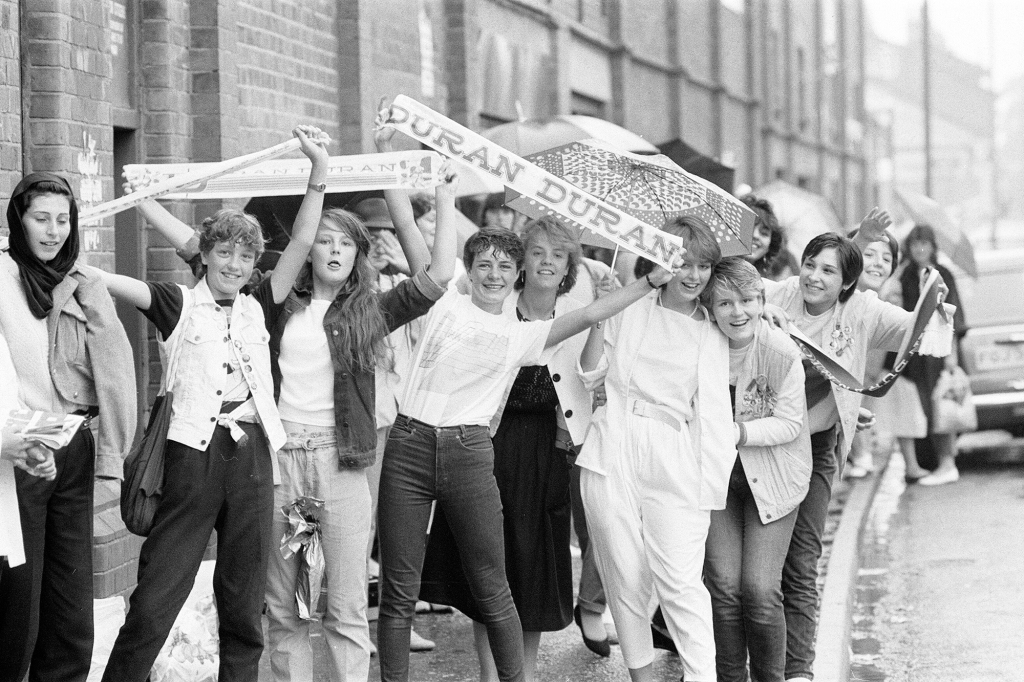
<point x="824" y="304"/>
<point x="748" y="540"/>
<point x="220" y="466"/>
<point x="658" y="457"/>
<point x="440" y="447"/>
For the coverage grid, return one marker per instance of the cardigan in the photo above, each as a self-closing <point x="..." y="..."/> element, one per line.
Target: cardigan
<point x="87" y="362"/>
<point x="770" y="403"/>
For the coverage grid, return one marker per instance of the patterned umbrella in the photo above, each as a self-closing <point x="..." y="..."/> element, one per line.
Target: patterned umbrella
<point x="650" y="188"/>
<point x="533" y="135"/>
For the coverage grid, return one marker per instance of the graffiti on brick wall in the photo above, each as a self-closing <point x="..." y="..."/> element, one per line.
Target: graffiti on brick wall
<point x="90" y="187"/>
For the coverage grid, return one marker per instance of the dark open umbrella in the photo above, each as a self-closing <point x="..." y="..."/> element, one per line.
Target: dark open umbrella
<point x="703" y="166"/>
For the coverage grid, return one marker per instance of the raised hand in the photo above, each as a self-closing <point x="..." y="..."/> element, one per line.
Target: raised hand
<point x="660" y="276"/>
<point x="313" y="143"/>
<point x="872" y="227"/>
<point x="382" y="132"/>
<point x="449" y="181"/>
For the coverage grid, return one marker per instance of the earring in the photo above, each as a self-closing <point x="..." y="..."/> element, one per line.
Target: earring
<point x="562" y="283"/>
<point x="521" y="279"/>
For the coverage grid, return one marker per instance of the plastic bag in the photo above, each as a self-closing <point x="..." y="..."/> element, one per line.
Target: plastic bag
<point x="192" y="650"/>
<point x="303" y="538"/>
<point x="953" y="409"/>
<point x="107" y="618"/>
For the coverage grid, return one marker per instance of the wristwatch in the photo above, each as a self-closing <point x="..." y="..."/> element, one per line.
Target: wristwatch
<point x="319" y="187"/>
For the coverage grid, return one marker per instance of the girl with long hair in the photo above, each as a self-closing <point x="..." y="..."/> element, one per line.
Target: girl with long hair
<point x="921" y="253"/>
<point x="72" y="355"/>
<point x="327" y="344"/>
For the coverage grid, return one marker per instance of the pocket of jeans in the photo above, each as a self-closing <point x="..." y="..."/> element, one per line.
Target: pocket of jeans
<point x="401" y="432"/>
<point x="477" y="440"/>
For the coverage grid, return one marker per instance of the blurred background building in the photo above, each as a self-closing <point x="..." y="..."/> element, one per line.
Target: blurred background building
<point x="774" y="88"/>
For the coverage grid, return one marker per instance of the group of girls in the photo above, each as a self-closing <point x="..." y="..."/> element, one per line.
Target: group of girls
<point x="273" y="380"/>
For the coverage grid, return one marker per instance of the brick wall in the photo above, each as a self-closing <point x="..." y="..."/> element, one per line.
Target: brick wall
<point x="67" y="74"/>
<point x="10" y="102"/>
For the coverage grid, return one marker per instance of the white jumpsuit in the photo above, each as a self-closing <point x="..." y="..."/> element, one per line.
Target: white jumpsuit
<point x="655" y="463"/>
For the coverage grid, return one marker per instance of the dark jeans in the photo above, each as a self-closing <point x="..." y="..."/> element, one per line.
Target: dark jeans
<point x="800" y="574"/>
<point x="46" y="603"/>
<point x="591" y="595"/>
<point x="455" y="467"/>
<point x="228" y="488"/>
<point x="743" y="573"/>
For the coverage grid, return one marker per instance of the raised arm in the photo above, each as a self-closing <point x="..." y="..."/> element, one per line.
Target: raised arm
<point x="409" y="235"/>
<point x="576" y="321"/>
<point x="442" y="257"/>
<point x="172" y="229"/>
<point x="314" y="145"/>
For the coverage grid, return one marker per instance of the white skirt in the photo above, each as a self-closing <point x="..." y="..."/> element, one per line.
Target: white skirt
<point x="898" y="412"/>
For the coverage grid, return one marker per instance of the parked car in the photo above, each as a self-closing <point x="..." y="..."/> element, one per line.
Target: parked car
<point x="992" y="352"/>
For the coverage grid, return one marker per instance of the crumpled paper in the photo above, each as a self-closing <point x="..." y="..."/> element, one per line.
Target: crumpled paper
<point x="303" y="538"/>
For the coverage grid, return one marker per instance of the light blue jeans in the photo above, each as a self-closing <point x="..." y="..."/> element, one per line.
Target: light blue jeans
<point x="309" y="466"/>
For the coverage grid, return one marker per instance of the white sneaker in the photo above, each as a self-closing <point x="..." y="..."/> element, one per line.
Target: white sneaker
<point x="941" y="478"/>
<point x="418" y="643"/>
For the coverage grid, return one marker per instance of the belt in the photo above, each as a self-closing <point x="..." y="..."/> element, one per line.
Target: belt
<point x="89" y="414"/>
<point x="298" y="442"/>
<point x="416" y="423"/>
<point x="643" y="408"/>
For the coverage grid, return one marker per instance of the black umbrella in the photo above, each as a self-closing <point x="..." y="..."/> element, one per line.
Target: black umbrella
<point x="700" y="165"/>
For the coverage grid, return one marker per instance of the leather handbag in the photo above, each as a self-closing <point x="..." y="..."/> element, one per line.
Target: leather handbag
<point x="143" y="482"/>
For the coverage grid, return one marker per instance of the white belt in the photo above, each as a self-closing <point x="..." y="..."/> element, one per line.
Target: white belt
<point x="643" y="408"/>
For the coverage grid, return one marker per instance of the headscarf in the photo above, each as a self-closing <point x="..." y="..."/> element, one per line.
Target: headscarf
<point x="37" y="277"/>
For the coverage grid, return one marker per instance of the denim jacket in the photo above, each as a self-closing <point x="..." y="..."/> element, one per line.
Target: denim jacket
<point x="354" y="390"/>
<point x="778" y="473"/>
<point x="199" y="376"/>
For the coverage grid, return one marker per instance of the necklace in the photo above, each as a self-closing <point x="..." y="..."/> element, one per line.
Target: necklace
<point x="692" y="314"/>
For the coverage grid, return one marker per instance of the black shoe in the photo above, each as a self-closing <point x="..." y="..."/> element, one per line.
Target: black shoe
<point x="660" y="634"/>
<point x="601" y="647"/>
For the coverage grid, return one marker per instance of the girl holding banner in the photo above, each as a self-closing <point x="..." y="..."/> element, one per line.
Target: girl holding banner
<point x="326" y="344"/>
<point x="546" y="411"/>
<point x="220" y="468"/>
<point x="658" y="457"/>
<point x="440" y="446"/>
<point x="824" y="305"/>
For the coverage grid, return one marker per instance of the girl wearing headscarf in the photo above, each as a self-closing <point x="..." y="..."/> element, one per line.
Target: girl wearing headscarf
<point x="72" y="356"/>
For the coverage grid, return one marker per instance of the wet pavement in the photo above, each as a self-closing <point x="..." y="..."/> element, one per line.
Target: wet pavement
<point x="938" y="594"/>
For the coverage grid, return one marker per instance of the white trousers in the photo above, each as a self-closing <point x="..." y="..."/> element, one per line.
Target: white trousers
<point x="345" y="524"/>
<point x="649" y="532"/>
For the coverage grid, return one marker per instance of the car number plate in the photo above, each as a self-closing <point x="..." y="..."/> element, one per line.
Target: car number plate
<point x="988" y="358"/>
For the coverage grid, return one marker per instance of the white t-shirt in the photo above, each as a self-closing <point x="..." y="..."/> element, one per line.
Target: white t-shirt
<point x="825" y="414"/>
<point x="665" y="371"/>
<point x="464" y="360"/>
<point x="307" y="373"/>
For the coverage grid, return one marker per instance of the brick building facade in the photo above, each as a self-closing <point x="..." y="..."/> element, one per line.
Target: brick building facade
<point x="773" y="87"/>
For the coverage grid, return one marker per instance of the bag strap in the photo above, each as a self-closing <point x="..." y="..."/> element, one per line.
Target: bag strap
<point x="173" y="354"/>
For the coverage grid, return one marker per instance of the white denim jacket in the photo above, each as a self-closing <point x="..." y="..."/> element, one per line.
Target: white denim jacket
<point x="199" y="378"/>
